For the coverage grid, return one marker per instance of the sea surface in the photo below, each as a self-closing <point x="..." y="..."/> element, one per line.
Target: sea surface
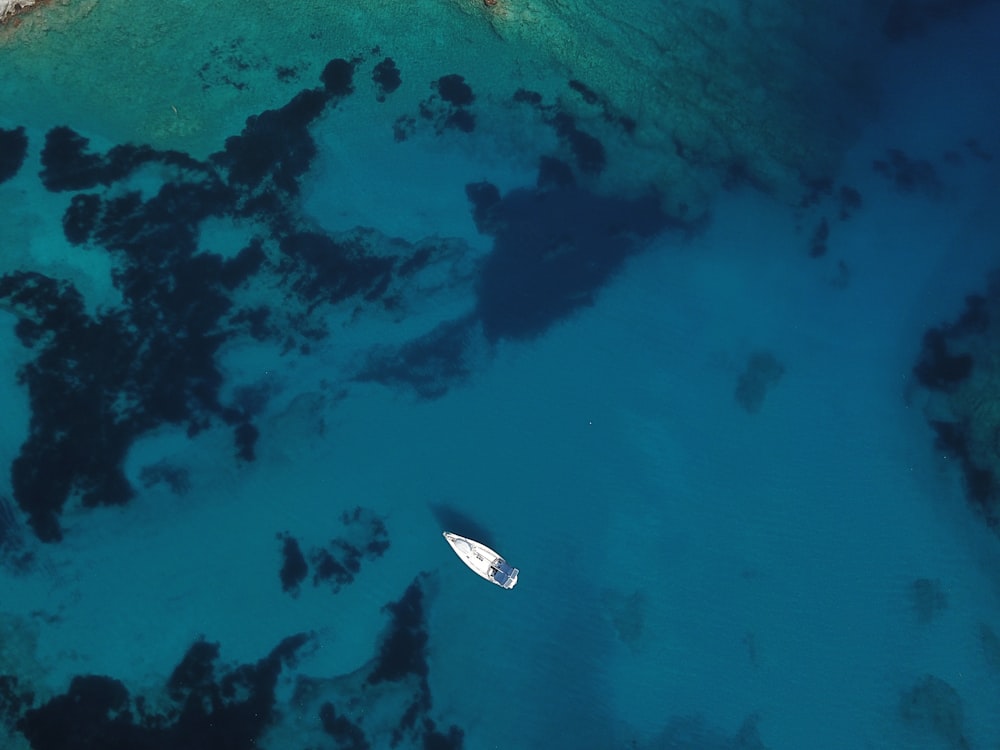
<point x="636" y="294"/>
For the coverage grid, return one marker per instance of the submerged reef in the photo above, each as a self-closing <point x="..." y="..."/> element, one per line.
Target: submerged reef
<point x="959" y="369"/>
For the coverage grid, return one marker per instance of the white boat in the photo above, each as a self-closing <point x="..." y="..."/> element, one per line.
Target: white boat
<point x="483" y="561"/>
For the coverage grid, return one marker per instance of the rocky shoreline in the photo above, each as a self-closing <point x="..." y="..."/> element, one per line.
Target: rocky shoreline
<point x="11" y="8"/>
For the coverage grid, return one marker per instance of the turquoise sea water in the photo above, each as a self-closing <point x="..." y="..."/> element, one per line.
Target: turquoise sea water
<point x="636" y="303"/>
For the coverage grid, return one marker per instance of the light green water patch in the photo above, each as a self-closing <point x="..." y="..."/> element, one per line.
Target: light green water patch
<point x="718" y="93"/>
<point x="185" y="75"/>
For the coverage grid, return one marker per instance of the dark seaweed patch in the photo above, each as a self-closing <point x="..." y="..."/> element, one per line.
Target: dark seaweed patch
<point x="99" y="381"/>
<point x="454" y="90"/>
<point x="364" y="538"/>
<point x="430" y="364"/>
<point x="347" y="734"/>
<point x="816" y="189"/>
<point x="338" y="77"/>
<point x="938" y="368"/>
<point x="975" y="148"/>
<point x="68" y="164"/>
<point x="461" y="119"/>
<point x="552" y="252"/>
<point x="286" y="73"/>
<point x="294" y="568"/>
<point x="207" y="710"/>
<point x="950" y="355"/>
<point x="77" y="440"/>
<point x="447" y="109"/>
<point x="403" y="651"/>
<point x="13" y="150"/>
<point x="257" y="322"/>
<point x="591" y="97"/>
<point x="526" y="96"/>
<point x="387" y="78"/>
<point x="231" y="64"/>
<point x="487" y="204"/>
<point x="175" y="477"/>
<point x="15" y="553"/>
<point x="245" y="437"/>
<point x="404" y="127"/>
<point x="81" y="217"/>
<point x="980" y="482"/>
<point x="196" y="671"/>
<point x="850" y="202"/>
<point x="435" y="740"/>
<point x="909" y="18"/>
<point x="554" y="172"/>
<point x="321" y="269"/>
<point x="762" y="373"/>
<point x="820" y="235"/>
<point x="586" y="149"/>
<point x="15" y="699"/>
<point x="276" y="143"/>
<point x="909" y="175"/>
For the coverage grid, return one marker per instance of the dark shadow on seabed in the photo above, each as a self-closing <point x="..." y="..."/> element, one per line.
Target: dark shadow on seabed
<point x="456" y="521"/>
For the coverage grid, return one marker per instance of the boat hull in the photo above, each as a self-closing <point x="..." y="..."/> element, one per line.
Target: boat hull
<point x="483" y="561"/>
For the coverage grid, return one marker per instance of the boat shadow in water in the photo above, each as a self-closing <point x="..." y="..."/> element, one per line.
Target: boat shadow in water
<point x="453" y="520"/>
